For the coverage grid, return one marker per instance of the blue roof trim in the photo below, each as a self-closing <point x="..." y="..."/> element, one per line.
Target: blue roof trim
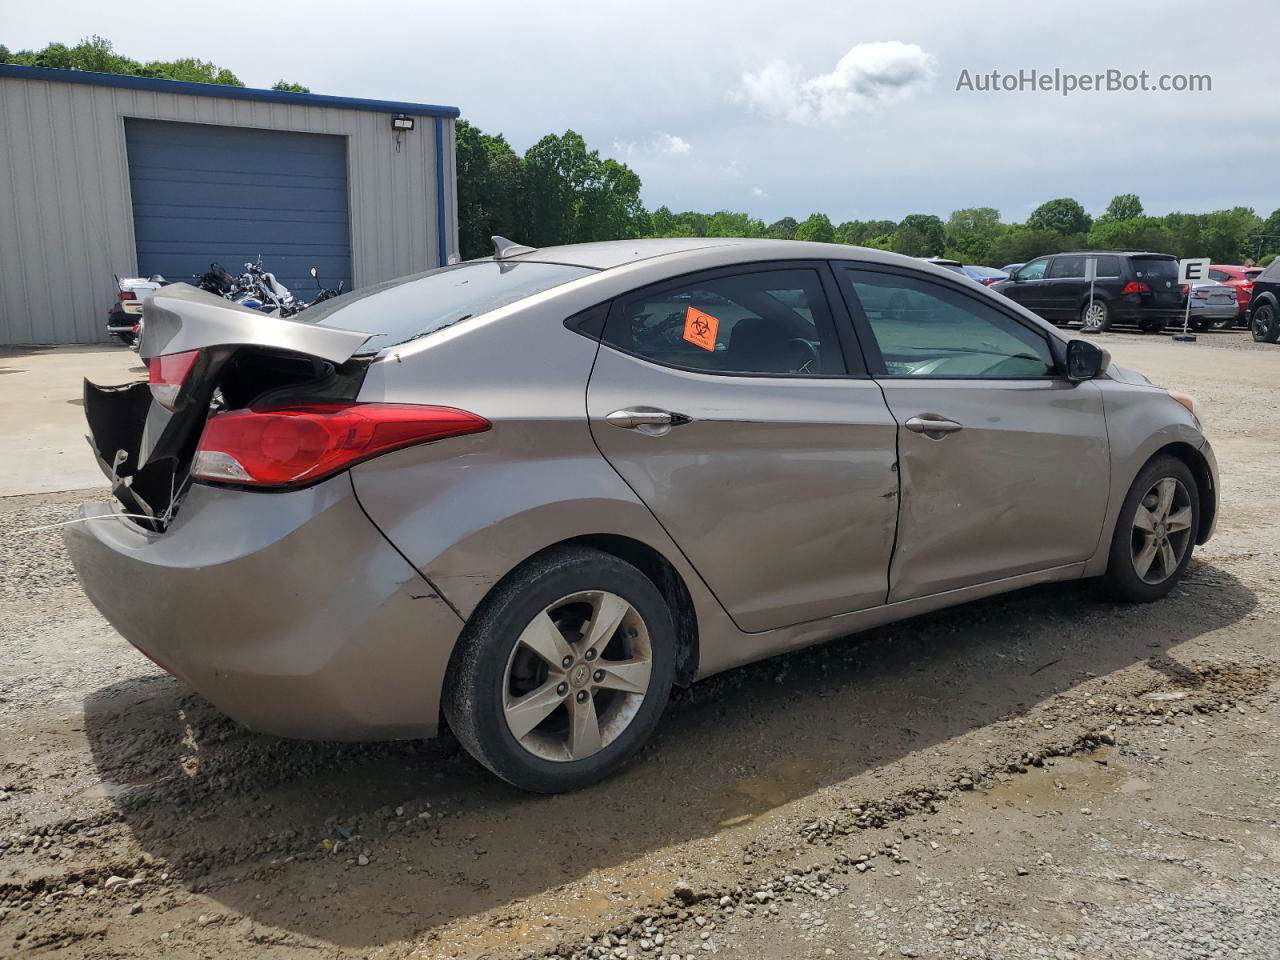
<point x="225" y="92"/>
<point x="441" y="237"/>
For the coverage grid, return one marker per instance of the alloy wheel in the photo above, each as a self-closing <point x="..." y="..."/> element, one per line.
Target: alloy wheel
<point x="1094" y="314"/>
<point x="1161" y="530"/>
<point x="1264" y="322"/>
<point x="577" y="676"/>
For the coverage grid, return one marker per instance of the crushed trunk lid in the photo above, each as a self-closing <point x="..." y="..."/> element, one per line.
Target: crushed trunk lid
<point x="243" y="356"/>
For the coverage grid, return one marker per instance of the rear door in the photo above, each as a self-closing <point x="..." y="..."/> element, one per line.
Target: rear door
<point x="1004" y="463"/>
<point x="726" y="402"/>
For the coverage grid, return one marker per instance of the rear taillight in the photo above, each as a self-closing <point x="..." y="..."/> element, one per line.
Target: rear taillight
<point x="126" y="295"/>
<point x="290" y="446"/>
<point x="1136" y="286"/>
<point x="166" y="375"/>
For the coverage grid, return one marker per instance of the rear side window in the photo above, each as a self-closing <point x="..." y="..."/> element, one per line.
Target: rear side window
<point x="1066" y="268"/>
<point x="1220" y="275"/>
<point x="772" y="322"/>
<point x="1272" y="272"/>
<point x="1157" y="268"/>
<point x="410" y="307"/>
<point x="1108" y="266"/>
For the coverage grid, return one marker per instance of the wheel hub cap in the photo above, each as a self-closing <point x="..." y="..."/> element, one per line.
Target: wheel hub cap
<point x="1161" y="530"/>
<point x="577" y="676"/>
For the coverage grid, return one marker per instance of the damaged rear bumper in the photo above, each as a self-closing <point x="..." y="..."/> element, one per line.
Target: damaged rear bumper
<point x="288" y="611"/>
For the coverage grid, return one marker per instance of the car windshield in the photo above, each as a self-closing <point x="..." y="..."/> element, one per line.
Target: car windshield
<point x="404" y="309"/>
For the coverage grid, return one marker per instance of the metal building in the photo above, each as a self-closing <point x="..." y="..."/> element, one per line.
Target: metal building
<point x="103" y="174"/>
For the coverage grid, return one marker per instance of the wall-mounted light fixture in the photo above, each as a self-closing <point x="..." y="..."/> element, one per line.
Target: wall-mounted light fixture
<point x="401" y="122"/>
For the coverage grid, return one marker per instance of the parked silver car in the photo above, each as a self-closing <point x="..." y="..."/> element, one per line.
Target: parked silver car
<point x="528" y="494"/>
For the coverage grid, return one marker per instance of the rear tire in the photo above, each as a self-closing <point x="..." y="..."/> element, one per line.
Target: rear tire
<point x="1095" y="317"/>
<point x="540" y="695"/>
<point x="1199" y="325"/>
<point x="1154" y="539"/>
<point x="1263" y="323"/>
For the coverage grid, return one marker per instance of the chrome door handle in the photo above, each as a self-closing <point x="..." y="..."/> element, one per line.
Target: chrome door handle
<point x="635" y="417"/>
<point x="930" y="424"/>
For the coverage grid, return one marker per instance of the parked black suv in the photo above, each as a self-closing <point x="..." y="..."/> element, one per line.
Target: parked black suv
<point x="1129" y="287"/>
<point x="1263" y="315"/>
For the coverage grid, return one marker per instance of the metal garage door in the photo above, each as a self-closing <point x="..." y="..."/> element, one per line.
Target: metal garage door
<point x="205" y="193"/>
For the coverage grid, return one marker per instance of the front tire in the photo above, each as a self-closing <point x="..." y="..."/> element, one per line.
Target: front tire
<point x="1155" y="532"/>
<point x="563" y="672"/>
<point x="1263" y="324"/>
<point x="1095" y="317"/>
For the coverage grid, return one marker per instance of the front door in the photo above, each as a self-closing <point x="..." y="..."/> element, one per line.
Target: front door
<point x="1029" y="287"/>
<point x="725" y="401"/>
<point x="1005" y="464"/>
<point x="1066" y="288"/>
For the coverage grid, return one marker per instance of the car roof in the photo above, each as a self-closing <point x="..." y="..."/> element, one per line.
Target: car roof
<point x="607" y="254"/>
<point x="1116" y="253"/>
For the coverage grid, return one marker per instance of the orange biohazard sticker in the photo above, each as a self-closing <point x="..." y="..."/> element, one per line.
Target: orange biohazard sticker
<point x="700" y="328"/>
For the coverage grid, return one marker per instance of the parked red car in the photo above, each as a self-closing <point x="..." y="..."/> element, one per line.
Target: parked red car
<point x="1241" y="278"/>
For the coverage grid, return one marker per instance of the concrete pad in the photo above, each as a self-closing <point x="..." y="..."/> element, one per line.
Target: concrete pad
<point x="42" y="426"/>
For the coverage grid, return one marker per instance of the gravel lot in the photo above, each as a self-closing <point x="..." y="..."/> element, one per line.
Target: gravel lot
<point x="1040" y="775"/>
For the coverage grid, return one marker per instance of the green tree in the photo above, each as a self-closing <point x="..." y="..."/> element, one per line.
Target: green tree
<point x="971" y="233"/>
<point x="784" y="229"/>
<point x="1123" y="206"/>
<point x="729" y="223"/>
<point x="284" y="86"/>
<point x="1064" y="215"/>
<point x="98" y="55"/>
<point x="1137" y="233"/>
<point x="1018" y="244"/>
<point x="816" y="228"/>
<point x="920" y="235"/>
<point x="571" y="195"/>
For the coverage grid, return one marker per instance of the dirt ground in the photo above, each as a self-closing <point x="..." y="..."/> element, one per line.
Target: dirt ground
<point x="1040" y="775"/>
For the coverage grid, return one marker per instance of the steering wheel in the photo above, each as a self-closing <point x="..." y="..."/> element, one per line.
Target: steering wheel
<point x="802" y="356"/>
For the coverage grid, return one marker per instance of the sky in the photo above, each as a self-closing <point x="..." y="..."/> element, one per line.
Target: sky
<point x="848" y="108"/>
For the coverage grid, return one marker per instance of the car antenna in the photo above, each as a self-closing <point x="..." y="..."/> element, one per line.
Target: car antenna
<point x="504" y="248"/>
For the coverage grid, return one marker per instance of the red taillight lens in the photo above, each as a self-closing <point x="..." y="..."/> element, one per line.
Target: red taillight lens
<point x="166" y="375"/>
<point x="289" y="446"/>
<point x="1136" y="286"/>
<point x="126" y="295"/>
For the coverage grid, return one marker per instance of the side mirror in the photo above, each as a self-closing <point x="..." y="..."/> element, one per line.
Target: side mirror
<point x="1013" y="276"/>
<point x="1085" y="360"/>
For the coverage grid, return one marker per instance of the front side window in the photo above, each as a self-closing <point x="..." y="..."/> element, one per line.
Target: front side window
<point x="763" y="322"/>
<point x="1066" y="268"/>
<point x="924" y="329"/>
<point x="1034" y="270"/>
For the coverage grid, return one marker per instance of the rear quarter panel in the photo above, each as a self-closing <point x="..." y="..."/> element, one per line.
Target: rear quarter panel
<point x="468" y="510"/>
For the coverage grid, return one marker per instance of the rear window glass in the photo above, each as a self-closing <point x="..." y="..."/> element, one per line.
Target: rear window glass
<point x="1159" y="267"/>
<point x="1272" y="272"/>
<point x="410" y="307"/>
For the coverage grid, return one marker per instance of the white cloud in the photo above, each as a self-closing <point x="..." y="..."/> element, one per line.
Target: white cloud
<point x="732" y="169"/>
<point x="869" y="75"/>
<point x="661" y="143"/>
<point x="669" y="144"/>
<point x="758" y="192"/>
